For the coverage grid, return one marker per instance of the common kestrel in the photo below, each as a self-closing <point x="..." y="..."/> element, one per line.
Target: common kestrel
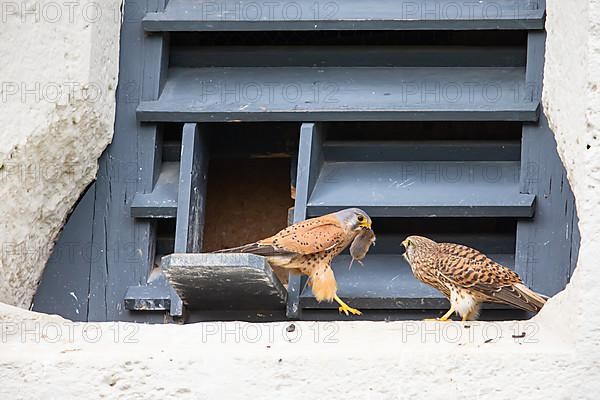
<point x="467" y="277"/>
<point x="307" y="247"/>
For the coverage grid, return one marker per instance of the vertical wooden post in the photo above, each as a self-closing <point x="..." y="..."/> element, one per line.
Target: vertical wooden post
<point x="310" y="158"/>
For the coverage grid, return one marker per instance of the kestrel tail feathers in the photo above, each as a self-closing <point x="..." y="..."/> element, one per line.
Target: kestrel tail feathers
<point x="525" y="298"/>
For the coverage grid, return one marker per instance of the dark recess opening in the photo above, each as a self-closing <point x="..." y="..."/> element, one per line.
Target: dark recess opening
<point x="490" y="235"/>
<point x="324" y="38"/>
<point x="249" y="183"/>
<point x="247" y="200"/>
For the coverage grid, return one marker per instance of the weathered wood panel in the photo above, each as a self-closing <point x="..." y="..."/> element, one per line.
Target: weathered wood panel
<point x="421" y="189"/>
<point x="128" y="166"/>
<point x="162" y="201"/>
<point x="224" y="281"/>
<point x="231" y="15"/>
<point x="310" y="159"/>
<point x="341" y="94"/>
<point x="65" y="284"/>
<point x="192" y="190"/>
<point x="547" y="245"/>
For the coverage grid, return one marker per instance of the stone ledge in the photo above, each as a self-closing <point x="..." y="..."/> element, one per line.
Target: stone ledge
<point x="399" y="360"/>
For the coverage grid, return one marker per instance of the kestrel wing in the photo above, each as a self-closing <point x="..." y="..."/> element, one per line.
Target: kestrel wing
<point x="307" y="238"/>
<point x="471" y="269"/>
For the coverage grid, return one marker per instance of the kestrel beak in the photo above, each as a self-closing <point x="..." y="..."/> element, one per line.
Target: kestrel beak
<point x="403" y="246"/>
<point x="365" y="224"/>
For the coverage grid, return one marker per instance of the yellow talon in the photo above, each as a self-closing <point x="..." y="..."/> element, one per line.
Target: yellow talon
<point x="345" y="308"/>
<point x="444" y="318"/>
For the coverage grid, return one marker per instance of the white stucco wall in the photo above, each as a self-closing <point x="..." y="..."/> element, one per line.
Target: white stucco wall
<point x="47" y="357"/>
<point x="360" y="360"/>
<point x="58" y="77"/>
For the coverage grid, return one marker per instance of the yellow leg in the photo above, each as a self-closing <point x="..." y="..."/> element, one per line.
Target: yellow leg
<point x="345" y="308"/>
<point x="464" y="318"/>
<point x="445" y="317"/>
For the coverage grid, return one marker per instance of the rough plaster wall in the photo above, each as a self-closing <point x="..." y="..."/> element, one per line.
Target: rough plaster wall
<point x="559" y="359"/>
<point x="58" y="77"/>
<point x="44" y="358"/>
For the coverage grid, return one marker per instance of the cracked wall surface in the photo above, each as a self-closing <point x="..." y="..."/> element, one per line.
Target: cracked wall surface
<point x="58" y="81"/>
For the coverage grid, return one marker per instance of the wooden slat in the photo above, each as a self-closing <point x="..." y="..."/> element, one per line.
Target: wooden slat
<point x="191" y="197"/>
<point x="247" y="15"/>
<point x="424" y="150"/>
<point x="148" y="298"/>
<point x="341" y="93"/>
<point x="162" y="201"/>
<point x="422" y="189"/>
<point x="310" y="158"/>
<point x="522" y="206"/>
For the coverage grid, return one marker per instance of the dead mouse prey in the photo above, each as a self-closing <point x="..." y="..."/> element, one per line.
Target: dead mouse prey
<point x="360" y="245"/>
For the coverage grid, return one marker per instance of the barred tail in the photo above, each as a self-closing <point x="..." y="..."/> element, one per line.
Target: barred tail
<point x="535" y="300"/>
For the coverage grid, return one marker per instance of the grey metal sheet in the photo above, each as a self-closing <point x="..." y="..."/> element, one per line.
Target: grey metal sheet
<point x="422" y="189"/>
<point x="224" y="281"/>
<point x="194" y="15"/>
<point x="341" y="93"/>
<point x="162" y="201"/>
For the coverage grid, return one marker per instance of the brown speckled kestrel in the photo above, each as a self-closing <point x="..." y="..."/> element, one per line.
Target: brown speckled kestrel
<point x="307" y="247"/>
<point x="467" y="277"/>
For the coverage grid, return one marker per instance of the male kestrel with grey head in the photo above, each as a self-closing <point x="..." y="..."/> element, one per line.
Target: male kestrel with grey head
<point x="467" y="277"/>
<point x="309" y="246"/>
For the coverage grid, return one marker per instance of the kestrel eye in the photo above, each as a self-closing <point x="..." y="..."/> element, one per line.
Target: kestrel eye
<point x="361" y="218"/>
